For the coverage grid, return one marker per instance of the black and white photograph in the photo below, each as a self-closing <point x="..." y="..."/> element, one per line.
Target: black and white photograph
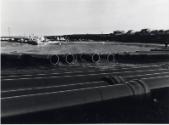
<point x="84" y="61"/>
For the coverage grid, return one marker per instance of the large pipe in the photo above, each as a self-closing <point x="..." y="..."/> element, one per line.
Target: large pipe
<point x="23" y="59"/>
<point x="108" y="57"/>
<point x="142" y="57"/>
<point x="49" y="59"/>
<point x="120" y="79"/>
<point x="94" y="58"/>
<point x="110" y="80"/>
<point x="17" y="105"/>
<point x="113" y="69"/>
<point x="35" y="90"/>
<point x="54" y="59"/>
<point x="53" y="79"/>
<point x="68" y="58"/>
<point x="12" y="59"/>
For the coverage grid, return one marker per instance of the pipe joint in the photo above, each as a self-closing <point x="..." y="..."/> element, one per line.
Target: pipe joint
<point x="114" y="79"/>
<point x="138" y="87"/>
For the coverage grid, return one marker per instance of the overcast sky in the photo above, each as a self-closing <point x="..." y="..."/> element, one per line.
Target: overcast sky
<point x="52" y="17"/>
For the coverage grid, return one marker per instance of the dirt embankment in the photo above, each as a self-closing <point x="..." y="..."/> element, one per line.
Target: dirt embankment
<point x="76" y="47"/>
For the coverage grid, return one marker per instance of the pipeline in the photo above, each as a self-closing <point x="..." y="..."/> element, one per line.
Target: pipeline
<point x="54" y="60"/>
<point x="27" y="59"/>
<point x="111" y="81"/>
<point x="33" y="59"/>
<point x="142" y="57"/>
<point x="23" y="82"/>
<point x="137" y="57"/>
<point x="120" y="79"/>
<point x="79" y="69"/>
<point x="59" y="99"/>
<point x="114" y="79"/>
<point x="45" y="59"/>
<point x="94" y="58"/>
<point x="62" y="87"/>
<point x="68" y="59"/>
<point x="12" y="59"/>
<point x="109" y="58"/>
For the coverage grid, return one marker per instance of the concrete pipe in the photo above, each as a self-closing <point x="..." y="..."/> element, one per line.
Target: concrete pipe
<point x="26" y="59"/>
<point x="12" y="59"/>
<point x="54" y="59"/>
<point x="68" y="59"/>
<point x="117" y="79"/>
<point x="157" y="82"/>
<point x="94" y="58"/>
<point x="22" y="81"/>
<point x="142" y="57"/>
<point x="111" y="58"/>
<point x="45" y="59"/>
<point x="16" y="105"/>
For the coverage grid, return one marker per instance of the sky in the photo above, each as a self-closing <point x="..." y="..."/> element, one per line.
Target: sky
<point x="56" y="17"/>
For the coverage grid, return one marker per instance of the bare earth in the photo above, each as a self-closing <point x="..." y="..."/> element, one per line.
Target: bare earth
<point x="76" y="47"/>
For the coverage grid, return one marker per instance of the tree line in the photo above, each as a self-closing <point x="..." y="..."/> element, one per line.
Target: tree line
<point x="143" y="36"/>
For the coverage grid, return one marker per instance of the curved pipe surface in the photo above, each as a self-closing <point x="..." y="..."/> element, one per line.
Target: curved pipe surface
<point x="68" y="59"/>
<point x="54" y="59"/>
<point x="49" y="59"/>
<point x="14" y="59"/>
<point x="111" y="58"/>
<point x="90" y="57"/>
<point x="22" y="104"/>
<point x="95" y="58"/>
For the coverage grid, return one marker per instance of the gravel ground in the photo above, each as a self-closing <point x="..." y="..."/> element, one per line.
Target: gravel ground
<point x="75" y="47"/>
